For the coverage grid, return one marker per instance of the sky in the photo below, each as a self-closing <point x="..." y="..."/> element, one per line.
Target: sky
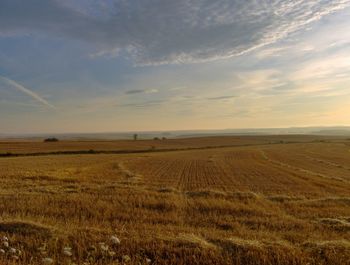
<point x="145" y="65"/>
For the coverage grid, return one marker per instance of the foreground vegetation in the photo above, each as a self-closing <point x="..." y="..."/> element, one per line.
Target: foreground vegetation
<point x="258" y="204"/>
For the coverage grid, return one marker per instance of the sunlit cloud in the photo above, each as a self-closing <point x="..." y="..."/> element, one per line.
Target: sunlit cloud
<point x="323" y="68"/>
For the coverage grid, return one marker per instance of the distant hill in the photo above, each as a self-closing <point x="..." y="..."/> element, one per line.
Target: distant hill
<point x="334" y="132"/>
<point x="324" y="131"/>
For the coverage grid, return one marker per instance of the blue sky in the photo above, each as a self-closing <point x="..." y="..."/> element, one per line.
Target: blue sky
<point x="117" y="65"/>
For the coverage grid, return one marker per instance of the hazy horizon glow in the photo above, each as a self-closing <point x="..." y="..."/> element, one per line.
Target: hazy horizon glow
<point x="117" y="65"/>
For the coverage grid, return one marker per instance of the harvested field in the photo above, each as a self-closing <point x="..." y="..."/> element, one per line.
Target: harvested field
<point x="255" y="201"/>
<point x="17" y="146"/>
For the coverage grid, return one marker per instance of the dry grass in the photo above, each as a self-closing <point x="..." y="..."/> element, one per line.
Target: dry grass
<point x="234" y="205"/>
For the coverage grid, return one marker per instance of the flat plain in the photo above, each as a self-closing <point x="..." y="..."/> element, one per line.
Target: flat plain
<point x="212" y="200"/>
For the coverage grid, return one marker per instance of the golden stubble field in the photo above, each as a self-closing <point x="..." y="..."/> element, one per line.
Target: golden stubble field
<point x="259" y="202"/>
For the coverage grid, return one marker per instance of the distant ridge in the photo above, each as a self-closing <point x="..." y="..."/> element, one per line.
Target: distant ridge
<point x="321" y="130"/>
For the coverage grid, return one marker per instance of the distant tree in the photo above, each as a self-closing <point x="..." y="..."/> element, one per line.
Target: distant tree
<point x="135" y="136"/>
<point x="52" y="139"/>
<point x="156" y="138"/>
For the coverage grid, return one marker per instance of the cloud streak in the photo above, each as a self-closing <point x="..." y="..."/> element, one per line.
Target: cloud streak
<point x="167" y="31"/>
<point x="145" y="104"/>
<point x="27" y="91"/>
<point x="221" y="97"/>
<point x="141" y="91"/>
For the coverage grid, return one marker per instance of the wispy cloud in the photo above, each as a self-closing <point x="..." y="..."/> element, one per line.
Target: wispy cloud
<point x="141" y="91"/>
<point x="27" y="91"/>
<point x="145" y="104"/>
<point x="177" y="88"/>
<point x="158" y="31"/>
<point x="221" y="97"/>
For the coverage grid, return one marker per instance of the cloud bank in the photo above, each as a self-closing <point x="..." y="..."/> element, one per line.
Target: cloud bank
<point x="168" y="31"/>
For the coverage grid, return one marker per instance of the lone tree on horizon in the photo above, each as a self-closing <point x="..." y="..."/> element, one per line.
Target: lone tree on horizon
<point x="135" y="136"/>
